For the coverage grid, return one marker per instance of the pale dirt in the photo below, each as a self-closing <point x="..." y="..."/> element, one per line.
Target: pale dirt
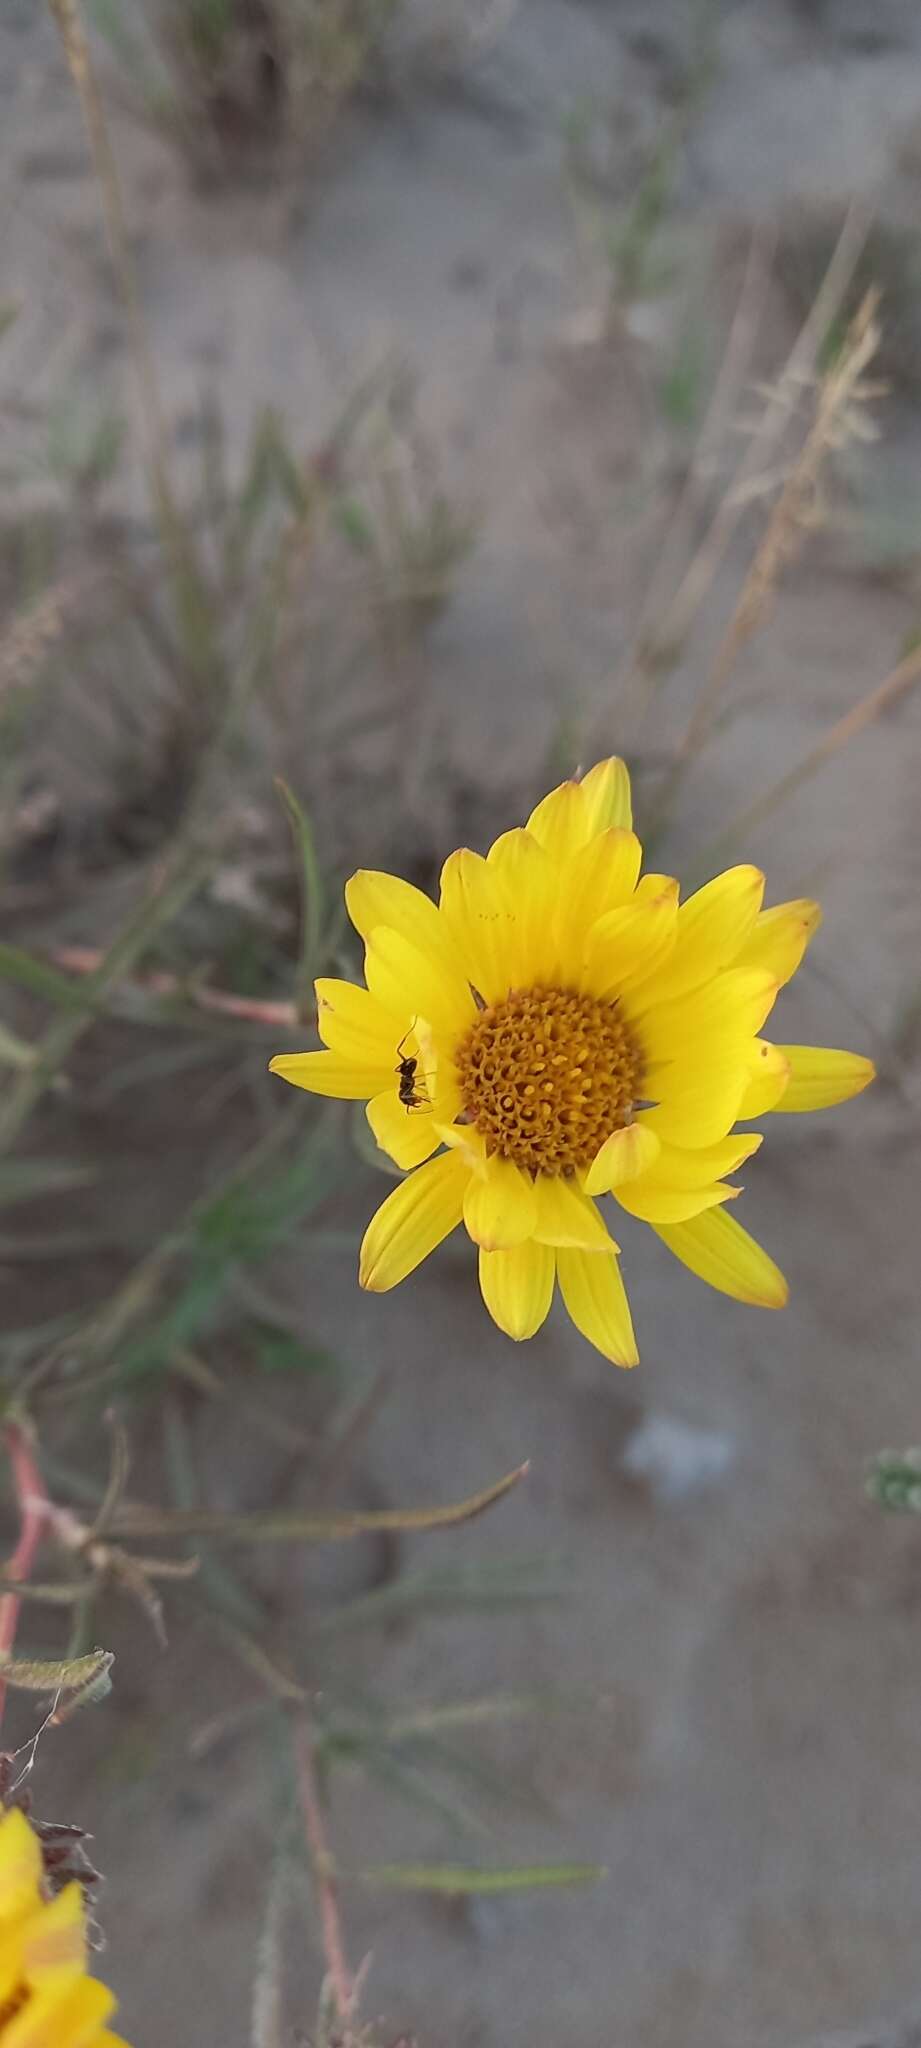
<point x="748" y="1761"/>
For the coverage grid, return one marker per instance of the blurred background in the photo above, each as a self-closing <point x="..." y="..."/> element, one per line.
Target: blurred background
<point x="416" y="400"/>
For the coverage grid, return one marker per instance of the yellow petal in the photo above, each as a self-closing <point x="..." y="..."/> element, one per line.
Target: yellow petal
<point x="466" y="1140"/>
<point x="570" y="815"/>
<point x="517" y="1287"/>
<point x="820" y="1077"/>
<point x="651" y="886"/>
<point x="770" y="1072"/>
<point x="699" y="1103"/>
<point x="677" y="1166"/>
<point x="623" y="1156"/>
<point x="326" y="1073"/>
<point x="351" y="1022"/>
<point x="407" y="1135"/>
<point x="718" y="1250"/>
<point x="68" y="2017"/>
<point x="629" y="944"/>
<point x="595" y="1297"/>
<point x="372" y="899"/>
<point x="600" y="878"/>
<point x="500" y="1207"/>
<point x="558" y="821"/>
<point x="731" y="1006"/>
<point x="20" y="1866"/>
<point x="11" y="1958"/>
<point x="712" y="927"/>
<point x="421" y="1211"/>
<point x="54" y="1943"/>
<point x="531" y="881"/>
<point x="565" y="1216"/>
<point x="482" y="918"/>
<point x="654" y="1204"/>
<point x="780" y="938"/>
<point x="417" y="984"/>
<point x="606" y="796"/>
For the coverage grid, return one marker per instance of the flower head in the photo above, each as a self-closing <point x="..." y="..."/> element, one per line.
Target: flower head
<point x="559" y="1029"/>
<point x="46" y="1998"/>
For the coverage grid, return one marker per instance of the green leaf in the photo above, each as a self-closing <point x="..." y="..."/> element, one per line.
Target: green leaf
<point x="267" y="2025"/>
<point x="894" y="1481"/>
<point x="459" y="1879"/>
<point x="82" y="1677"/>
<point x="14" y="1052"/>
<point x="482" y="1588"/>
<point x="354" y="525"/>
<point x="247" y="1647"/>
<point x="476" y="1713"/>
<point x="276" y="1350"/>
<point x="257" y="1208"/>
<point x="411" y="1783"/>
<point x="60" y="1594"/>
<point x="157" y="909"/>
<point x="18" y="966"/>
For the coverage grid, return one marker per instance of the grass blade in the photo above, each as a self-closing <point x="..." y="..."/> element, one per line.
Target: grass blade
<point x="458" y="1880"/>
<point x="157" y="909"/>
<point x="19" y="967"/>
<point x="311" y="897"/>
<point x="483" y="1589"/>
<point x="22" y="1179"/>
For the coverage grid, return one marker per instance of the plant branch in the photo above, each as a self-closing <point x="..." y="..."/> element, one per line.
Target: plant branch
<point x="340" y="1978"/>
<point x="887" y="693"/>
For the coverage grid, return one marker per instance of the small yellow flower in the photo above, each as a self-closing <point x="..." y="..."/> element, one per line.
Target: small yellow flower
<point x="46" y="1998"/>
<point x="565" y="1030"/>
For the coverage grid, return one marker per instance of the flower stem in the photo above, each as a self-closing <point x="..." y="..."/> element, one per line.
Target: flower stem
<point x="34" y="1509"/>
<point x="340" y="1977"/>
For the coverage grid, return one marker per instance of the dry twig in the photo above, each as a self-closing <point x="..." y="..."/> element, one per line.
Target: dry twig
<point x="887" y="693"/>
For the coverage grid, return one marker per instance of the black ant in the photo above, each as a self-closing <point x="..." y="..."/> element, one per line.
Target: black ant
<point x="409" y="1090"/>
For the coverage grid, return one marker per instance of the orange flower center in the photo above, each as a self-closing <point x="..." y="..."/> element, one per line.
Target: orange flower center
<point x="547" y="1075"/>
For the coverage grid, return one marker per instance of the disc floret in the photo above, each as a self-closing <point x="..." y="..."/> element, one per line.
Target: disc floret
<point x="546" y="1075"/>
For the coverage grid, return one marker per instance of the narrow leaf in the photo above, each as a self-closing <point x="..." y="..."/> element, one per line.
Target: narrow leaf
<point x="62" y="1593"/>
<point x="284" y="1527"/>
<point x="311" y="894"/>
<point x="119" y="1468"/>
<point x="473" y="1713"/>
<point x="457" y="1879"/>
<point x="267" y="2016"/>
<point x="257" y="1659"/>
<point x="22" y="1179"/>
<point x="18" y="966"/>
<point x="483" y="1588"/>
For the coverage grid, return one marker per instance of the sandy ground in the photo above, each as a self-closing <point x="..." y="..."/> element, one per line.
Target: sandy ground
<point x="740" y="1625"/>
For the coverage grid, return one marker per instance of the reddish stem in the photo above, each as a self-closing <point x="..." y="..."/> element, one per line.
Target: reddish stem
<point x="34" y="1508"/>
<point x="88" y="960"/>
<point x="322" y="1866"/>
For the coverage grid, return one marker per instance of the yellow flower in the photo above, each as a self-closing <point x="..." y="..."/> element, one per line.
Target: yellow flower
<point x="46" y="1998"/>
<point x="565" y="1030"/>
